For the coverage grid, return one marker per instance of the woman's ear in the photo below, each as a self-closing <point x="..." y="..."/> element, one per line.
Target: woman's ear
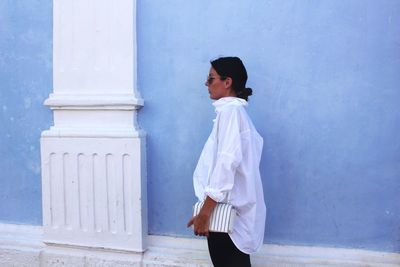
<point x="228" y="82"/>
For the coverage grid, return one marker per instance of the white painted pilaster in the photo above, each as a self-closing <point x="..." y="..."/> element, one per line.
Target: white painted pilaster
<point x="93" y="157"/>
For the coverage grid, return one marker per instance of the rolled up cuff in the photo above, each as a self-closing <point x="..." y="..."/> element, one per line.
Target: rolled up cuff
<point x="216" y="195"/>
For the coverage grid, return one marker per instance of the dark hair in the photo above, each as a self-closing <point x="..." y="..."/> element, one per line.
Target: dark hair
<point x="233" y="67"/>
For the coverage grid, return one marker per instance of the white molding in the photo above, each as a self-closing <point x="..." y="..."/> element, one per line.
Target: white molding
<point x="21" y="245"/>
<point x="92" y="132"/>
<point x="172" y="248"/>
<point x="14" y="235"/>
<point x="94" y="101"/>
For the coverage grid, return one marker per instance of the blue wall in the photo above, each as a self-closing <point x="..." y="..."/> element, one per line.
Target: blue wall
<point x="326" y="99"/>
<point x="326" y="94"/>
<point x="25" y="81"/>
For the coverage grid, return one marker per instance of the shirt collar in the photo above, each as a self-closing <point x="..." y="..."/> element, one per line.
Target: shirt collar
<point x="228" y="101"/>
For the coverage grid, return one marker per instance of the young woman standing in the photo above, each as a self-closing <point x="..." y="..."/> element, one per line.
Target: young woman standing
<point x="228" y="168"/>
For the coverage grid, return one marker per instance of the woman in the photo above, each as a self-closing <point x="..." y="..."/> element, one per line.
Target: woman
<point x="228" y="168"/>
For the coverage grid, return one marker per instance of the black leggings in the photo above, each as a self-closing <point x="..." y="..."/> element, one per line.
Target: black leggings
<point x="224" y="253"/>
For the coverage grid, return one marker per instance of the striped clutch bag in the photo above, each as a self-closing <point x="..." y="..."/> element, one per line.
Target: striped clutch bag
<point x="221" y="219"/>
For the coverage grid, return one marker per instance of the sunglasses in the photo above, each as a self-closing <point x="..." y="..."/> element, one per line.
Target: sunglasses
<point x="210" y="79"/>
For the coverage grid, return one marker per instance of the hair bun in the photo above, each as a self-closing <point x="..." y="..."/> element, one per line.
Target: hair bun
<point x="248" y="91"/>
<point x="245" y="93"/>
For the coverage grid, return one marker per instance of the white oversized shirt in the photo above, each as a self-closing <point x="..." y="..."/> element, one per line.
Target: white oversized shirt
<point x="228" y="171"/>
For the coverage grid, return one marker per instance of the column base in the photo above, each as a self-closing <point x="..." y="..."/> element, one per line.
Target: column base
<point x="94" y="192"/>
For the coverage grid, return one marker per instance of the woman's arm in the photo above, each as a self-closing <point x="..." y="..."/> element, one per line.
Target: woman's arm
<point x="201" y="222"/>
<point x="228" y="154"/>
<point x="228" y="157"/>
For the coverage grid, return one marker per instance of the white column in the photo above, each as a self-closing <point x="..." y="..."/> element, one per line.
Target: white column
<point x="93" y="158"/>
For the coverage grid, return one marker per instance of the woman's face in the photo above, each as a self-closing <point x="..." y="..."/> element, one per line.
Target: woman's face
<point x="218" y="88"/>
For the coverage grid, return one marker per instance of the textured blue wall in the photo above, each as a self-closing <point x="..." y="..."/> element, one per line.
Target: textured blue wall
<point x="326" y="99"/>
<point x="25" y="81"/>
<point x="327" y="90"/>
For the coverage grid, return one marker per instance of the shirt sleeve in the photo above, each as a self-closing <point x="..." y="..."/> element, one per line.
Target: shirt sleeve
<point x="228" y="154"/>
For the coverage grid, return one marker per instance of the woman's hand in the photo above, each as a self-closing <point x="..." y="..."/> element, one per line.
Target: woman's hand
<point x="201" y="222"/>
